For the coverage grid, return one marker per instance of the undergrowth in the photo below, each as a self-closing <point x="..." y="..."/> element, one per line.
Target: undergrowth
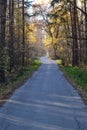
<point x="79" y="75"/>
<point x="17" y="81"/>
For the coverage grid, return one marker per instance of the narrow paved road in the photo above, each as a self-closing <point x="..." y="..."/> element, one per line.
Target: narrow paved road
<point x="46" y="102"/>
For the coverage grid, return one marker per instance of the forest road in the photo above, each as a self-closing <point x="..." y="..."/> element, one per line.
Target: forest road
<point x="47" y="101"/>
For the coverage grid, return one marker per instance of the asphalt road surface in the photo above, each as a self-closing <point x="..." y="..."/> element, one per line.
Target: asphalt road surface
<point x="47" y="101"/>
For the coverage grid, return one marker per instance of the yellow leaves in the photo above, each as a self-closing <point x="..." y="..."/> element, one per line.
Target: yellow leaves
<point x="52" y="29"/>
<point x="47" y="41"/>
<point x="31" y="33"/>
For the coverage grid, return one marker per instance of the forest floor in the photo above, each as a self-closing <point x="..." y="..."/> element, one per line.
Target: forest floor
<point x="47" y="101"/>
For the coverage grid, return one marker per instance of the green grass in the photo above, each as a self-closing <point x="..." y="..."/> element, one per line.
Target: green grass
<point x="19" y="80"/>
<point x="79" y="75"/>
<point x="59" y="62"/>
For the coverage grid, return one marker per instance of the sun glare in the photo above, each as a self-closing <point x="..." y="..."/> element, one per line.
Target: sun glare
<point x="42" y="2"/>
<point x="79" y="3"/>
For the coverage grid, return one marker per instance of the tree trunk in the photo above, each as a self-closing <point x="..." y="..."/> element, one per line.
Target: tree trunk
<point x="23" y="35"/>
<point x="11" y="33"/>
<point x="74" y="34"/>
<point x="85" y="8"/>
<point x="3" y="5"/>
<point x="79" y="40"/>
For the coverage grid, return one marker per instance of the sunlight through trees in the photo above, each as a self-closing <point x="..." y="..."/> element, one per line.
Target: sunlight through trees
<point x="25" y="25"/>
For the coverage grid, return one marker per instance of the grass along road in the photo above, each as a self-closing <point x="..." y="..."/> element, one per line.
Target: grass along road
<point x="8" y="88"/>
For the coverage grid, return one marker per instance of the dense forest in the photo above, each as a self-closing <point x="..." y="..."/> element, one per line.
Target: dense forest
<point x="64" y="33"/>
<point x="18" y="38"/>
<point x="67" y="31"/>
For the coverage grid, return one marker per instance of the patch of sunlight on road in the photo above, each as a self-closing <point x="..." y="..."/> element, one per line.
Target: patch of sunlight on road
<point x="45" y="60"/>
